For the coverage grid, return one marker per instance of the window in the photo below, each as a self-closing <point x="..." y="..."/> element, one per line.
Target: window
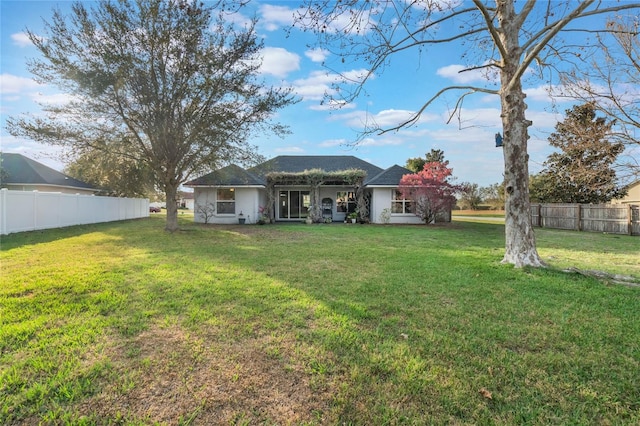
<point x="345" y="202"/>
<point x="399" y="204"/>
<point x="226" y="201"/>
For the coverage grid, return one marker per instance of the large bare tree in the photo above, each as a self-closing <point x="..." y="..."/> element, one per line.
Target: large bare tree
<point x="500" y="38"/>
<point x="170" y="81"/>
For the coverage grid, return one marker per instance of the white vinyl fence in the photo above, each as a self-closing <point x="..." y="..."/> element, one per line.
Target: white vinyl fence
<point x="29" y="211"/>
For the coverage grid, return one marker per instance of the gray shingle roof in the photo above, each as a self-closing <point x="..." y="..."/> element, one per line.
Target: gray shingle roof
<point x="231" y="175"/>
<point x="300" y="163"/>
<point x="20" y="170"/>
<point x="237" y="176"/>
<point x="389" y="177"/>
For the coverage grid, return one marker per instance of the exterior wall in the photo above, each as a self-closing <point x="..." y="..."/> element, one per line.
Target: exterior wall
<point x="633" y="196"/>
<point x="380" y="200"/>
<point x="247" y="201"/>
<point x="50" y="188"/>
<point x="29" y="211"/>
<point x="332" y="192"/>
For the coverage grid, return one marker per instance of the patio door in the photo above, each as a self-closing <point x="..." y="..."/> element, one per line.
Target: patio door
<point x="293" y="204"/>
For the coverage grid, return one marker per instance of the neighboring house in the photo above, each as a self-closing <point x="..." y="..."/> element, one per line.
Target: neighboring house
<point x="19" y="173"/>
<point x="294" y="188"/>
<point x="186" y="200"/>
<point x="633" y="195"/>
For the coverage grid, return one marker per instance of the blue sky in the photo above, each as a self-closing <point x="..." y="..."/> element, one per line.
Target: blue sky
<point x="316" y="128"/>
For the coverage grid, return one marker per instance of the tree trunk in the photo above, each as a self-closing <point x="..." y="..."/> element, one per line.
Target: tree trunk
<point x="520" y="240"/>
<point x="171" y="191"/>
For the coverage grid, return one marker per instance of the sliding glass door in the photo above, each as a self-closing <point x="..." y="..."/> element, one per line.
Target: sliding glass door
<point x="293" y="204"/>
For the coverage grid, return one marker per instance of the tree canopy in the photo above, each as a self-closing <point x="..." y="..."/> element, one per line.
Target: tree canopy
<point x="581" y="171"/>
<point x="416" y="164"/>
<point x="169" y="84"/>
<point x="430" y="191"/>
<point x="116" y="175"/>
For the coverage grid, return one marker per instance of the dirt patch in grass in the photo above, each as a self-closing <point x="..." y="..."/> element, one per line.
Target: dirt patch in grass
<point x="170" y="376"/>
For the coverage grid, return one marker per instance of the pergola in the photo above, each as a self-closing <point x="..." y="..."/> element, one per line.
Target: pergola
<point x="314" y="179"/>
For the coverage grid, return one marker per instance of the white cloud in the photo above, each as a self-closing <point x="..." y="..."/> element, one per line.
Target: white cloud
<point x="13" y="84"/>
<point x="289" y="149"/>
<point x="333" y="105"/>
<point x="383" y="119"/>
<point x="21" y="39"/>
<point x="331" y="143"/>
<point x="316" y="86"/>
<point x="543" y="119"/>
<point x="317" y="55"/>
<point x="274" y="17"/>
<point x="320" y="83"/>
<point x="393" y="117"/>
<point x="278" y="61"/>
<point x="55" y="99"/>
<point x="453" y="72"/>
<point x="383" y="140"/>
<point x="479" y="117"/>
<point x="237" y="19"/>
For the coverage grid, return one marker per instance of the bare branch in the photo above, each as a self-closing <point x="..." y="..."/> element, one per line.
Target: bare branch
<point x="491" y="28"/>
<point x="549" y="32"/>
<point x="415" y="117"/>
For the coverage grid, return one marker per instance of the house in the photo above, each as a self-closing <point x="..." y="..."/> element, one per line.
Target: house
<point x="19" y="173"/>
<point x="185" y="200"/>
<point x="295" y="188"/>
<point x="633" y="195"/>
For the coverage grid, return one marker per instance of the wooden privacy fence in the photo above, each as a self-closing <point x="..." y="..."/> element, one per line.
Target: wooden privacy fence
<point x="610" y="218"/>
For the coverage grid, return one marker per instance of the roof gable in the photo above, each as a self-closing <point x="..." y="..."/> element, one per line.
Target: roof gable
<point x="20" y="170"/>
<point x="389" y="177"/>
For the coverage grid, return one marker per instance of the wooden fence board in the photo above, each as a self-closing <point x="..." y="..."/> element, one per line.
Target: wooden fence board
<point x="609" y="218"/>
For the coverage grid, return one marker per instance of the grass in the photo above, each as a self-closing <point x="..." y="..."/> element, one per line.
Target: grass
<point x="478" y="213"/>
<point x="121" y="323"/>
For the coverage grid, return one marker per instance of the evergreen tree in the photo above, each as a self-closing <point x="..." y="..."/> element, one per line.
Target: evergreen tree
<point x="581" y="171"/>
<point x="416" y="164"/>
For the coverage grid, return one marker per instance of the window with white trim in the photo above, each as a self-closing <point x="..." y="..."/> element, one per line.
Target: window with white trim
<point x="226" y="201"/>
<point x="399" y="204"/>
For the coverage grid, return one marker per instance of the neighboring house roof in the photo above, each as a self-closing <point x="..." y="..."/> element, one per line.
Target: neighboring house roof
<point x="389" y="177"/>
<point x="237" y="176"/>
<point x="20" y="170"/>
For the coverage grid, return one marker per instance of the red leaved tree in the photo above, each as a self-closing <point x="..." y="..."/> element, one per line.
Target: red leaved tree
<point x="430" y="190"/>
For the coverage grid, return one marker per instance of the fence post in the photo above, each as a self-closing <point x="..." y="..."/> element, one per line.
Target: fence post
<point x="578" y="216"/>
<point x="35" y="210"/>
<point x="629" y="220"/>
<point x="3" y="211"/>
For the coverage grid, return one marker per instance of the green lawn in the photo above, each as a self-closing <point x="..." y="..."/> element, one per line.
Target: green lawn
<point x="122" y="323"/>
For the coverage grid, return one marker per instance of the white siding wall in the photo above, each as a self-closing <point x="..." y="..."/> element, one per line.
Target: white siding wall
<point x="332" y="192"/>
<point x="29" y="211"/>
<point x="380" y="200"/>
<point x="247" y="201"/>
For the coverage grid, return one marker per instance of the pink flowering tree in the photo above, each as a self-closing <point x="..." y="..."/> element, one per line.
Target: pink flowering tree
<point x="430" y="190"/>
